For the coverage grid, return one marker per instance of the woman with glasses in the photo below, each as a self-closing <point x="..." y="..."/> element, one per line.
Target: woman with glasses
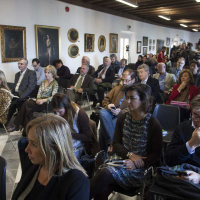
<point x="137" y="140"/>
<point x="49" y="168"/>
<point x="77" y="119"/>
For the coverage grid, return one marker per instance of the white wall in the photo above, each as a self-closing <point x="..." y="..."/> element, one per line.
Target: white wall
<point x="52" y="13"/>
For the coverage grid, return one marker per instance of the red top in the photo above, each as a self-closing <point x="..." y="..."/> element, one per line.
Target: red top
<point x="161" y="57"/>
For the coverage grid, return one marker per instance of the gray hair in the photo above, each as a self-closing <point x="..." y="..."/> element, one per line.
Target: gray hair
<point x="181" y="58"/>
<point x="26" y="61"/>
<point x="144" y="66"/>
<point x="195" y="103"/>
<point x="87" y="65"/>
<point x="55" y="141"/>
<point x="87" y="58"/>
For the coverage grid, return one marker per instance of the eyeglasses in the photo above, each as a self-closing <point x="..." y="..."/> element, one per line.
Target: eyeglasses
<point x="126" y="81"/>
<point x="34" y="66"/>
<point x="195" y="117"/>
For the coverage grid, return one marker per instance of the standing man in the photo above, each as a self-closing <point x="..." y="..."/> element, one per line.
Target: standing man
<point x="179" y="67"/>
<point x="25" y="83"/>
<point x="63" y="71"/>
<point x="114" y="104"/>
<point x="80" y="83"/>
<point x="161" y="55"/>
<point x="38" y="70"/>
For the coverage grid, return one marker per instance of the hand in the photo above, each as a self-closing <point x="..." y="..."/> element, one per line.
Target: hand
<point x="138" y="160"/>
<point x="97" y="80"/>
<point x="166" y="92"/>
<point x="129" y="164"/>
<point x="57" y="77"/>
<point x="80" y="90"/>
<point x="193" y="177"/>
<point x="182" y="86"/>
<point x="111" y="105"/>
<point x="40" y="101"/>
<point x="72" y="87"/>
<point x="115" y="112"/>
<point x="195" y="139"/>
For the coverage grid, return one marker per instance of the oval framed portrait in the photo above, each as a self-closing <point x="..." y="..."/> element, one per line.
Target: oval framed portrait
<point x="73" y="35"/>
<point x="102" y="43"/>
<point x="73" y="51"/>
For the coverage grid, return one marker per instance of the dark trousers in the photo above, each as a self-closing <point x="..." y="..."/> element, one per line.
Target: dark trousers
<point x="26" y="113"/>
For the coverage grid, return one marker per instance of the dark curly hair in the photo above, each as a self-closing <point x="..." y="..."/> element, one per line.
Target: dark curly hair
<point x="144" y="92"/>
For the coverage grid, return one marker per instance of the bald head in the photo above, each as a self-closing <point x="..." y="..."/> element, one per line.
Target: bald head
<point x="107" y="62"/>
<point x="161" y="68"/>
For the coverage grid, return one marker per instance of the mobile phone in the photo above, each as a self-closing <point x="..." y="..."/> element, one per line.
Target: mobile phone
<point x="182" y="173"/>
<point x="114" y="108"/>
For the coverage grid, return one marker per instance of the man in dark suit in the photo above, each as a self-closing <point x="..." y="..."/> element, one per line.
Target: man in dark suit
<point x="25" y="83"/>
<point x="80" y="83"/>
<point x="143" y="73"/>
<point x="196" y="75"/>
<point x="104" y="77"/>
<point x="120" y="69"/>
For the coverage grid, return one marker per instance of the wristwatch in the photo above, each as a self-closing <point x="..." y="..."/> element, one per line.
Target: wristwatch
<point x="129" y="154"/>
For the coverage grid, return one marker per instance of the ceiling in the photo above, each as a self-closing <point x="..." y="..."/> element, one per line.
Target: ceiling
<point x="180" y="11"/>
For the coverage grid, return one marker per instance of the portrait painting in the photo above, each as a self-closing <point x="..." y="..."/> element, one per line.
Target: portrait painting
<point x="113" y="43"/>
<point x="102" y="43"/>
<point x="154" y="42"/>
<point x="73" y="51"/>
<point x="145" y="41"/>
<point x="153" y="48"/>
<point x="144" y="50"/>
<point x="89" y="42"/>
<point x="160" y="44"/>
<point x="13" y="43"/>
<point x="47" y="40"/>
<point x="139" y="46"/>
<point x="73" y="35"/>
<point x="167" y="41"/>
<point x="149" y="48"/>
<point x="150" y="41"/>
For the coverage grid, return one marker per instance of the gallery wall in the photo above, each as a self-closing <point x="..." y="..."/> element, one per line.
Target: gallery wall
<point x="28" y="13"/>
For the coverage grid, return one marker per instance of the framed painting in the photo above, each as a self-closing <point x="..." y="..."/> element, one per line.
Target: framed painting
<point x="144" y="50"/>
<point x="160" y="44"/>
<point x="154" y="42"/>
<point x="149" y="48"/>
<point x="167" y="41"/>
<point x="73" y="51"/>
<point x="13" y="43"/>
<point x="153" y="48"/>
<point x="113" y="43"/>
<point x="89" y="42"/>
<point x="102" y="43"/>
<point x="145" y="41"/>
<point x="150" y="41"/>
<point x="73" y="35"/>
<point x="167" y="51"/>
<point x="48" y="45"/>
<point x="139" y="46"/>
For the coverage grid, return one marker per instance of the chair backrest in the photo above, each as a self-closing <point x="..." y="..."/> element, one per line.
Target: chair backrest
<point x="2" y="178"/>
<point x="168" y="116"/>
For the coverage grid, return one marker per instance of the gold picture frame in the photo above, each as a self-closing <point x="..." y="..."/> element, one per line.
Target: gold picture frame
<point x="73" y="51"/>
<point x="113" y="43"/>
<point x="48" y="44"/>
<point x="160" y="44"/>
<point x="73" y="35"/>
<point x="102" y="43"/>
<point x="89" y="42"/>
<point x="13" y="43"/>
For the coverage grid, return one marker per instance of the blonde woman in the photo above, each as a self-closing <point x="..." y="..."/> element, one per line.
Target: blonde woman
<point x="52" y="170"/>
<point x="5" y="98"/>
<point x="48" y="88"/>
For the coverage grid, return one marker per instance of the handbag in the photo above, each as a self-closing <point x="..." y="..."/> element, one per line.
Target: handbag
<point x="95" y="117"/>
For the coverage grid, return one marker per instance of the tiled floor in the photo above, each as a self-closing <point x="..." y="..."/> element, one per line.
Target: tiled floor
<point x="13" y="172"/>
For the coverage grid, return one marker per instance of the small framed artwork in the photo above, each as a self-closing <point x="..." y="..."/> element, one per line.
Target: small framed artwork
<point x="89" y="42"/>
<point x="73" y="35"/>
<point x="102" y="43"/>
<point x="113" y="43"/>
<point x="153" y="48"/>
<point x="167" y="41"/>
<point x="13" y="43"/>
<point x="139" y="46"/>
<point x="154" y="42"/>
<point x="150" y="41"/>
<point x="167" y="51"/>
<point x="144" y="50"/>
<point x="149" y="48"/>
<point x="160" y="44"/>
<point x="48" y="45"/>
<point x="73" y="51"/>
<point x="145" y="41"/>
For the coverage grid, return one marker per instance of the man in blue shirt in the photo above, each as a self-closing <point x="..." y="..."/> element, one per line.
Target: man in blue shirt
<point x="38" y="70"/>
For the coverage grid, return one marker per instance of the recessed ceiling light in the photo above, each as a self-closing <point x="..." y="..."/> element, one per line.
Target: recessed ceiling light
<point x="128" y="3"/>
<point x="164" y="17"/>
<point x="183" y="25"/>
<point x="195" y="30"/>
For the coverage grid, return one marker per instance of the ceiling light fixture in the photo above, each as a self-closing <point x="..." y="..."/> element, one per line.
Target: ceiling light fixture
<point x="164" y="17"/>
<point x="197" y="0"/>
<point x="195" y="30"/>
<point x="128" y="3"/>
<point x="183" y="25"/>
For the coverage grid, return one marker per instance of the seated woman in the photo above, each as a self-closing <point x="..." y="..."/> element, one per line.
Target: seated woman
<point x="48" y="88"/>
<point x="184" y="91"/>
<point x="137" y="139"/>
<point x="77" y="119"/>
<point x="5" y="98"/>
<point x="139" y="62"/>
<point x="49" y="168"/>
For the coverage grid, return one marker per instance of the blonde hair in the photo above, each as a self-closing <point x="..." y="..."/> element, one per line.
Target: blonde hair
<point x="51" y="69"/>
<point x="54" y="138"/>
<point x="3" y="81"/>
